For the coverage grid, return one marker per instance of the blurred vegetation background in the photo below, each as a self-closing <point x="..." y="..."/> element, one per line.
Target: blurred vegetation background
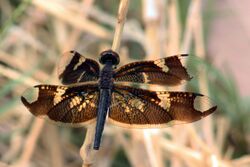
<point x="35" y="33"/>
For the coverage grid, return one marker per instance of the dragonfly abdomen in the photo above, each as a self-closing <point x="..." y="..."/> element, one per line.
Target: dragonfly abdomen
<point x="108" y="58"/>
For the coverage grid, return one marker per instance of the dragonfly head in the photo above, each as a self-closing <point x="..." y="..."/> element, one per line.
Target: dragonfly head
<point x="109" y="55"/>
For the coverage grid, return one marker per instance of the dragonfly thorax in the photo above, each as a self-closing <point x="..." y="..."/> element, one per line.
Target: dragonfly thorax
<point x="106" y="76"/>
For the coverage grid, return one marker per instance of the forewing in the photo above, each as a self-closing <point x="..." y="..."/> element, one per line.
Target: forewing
<point x="139" y="108"/>
<point x="166" y="71"/>
<point x="73" y="68"/>
<point x="73" y="105"/>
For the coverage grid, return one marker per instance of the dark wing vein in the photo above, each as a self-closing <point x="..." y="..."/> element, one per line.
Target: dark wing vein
<point x="150" y="109"/>
<point x="122" y="101"/>
<point x="73" y="68"/>
<point x="73" y="105"/>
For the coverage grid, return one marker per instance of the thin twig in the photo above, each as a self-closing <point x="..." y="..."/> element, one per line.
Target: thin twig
<point x="53" y="145"/>
<point x="12" y="74"/>
<point x="200" y="52"/>
<point x="152" y="21"/>
<point x="30" y="143"/>
<point x="187" y="39"/>
<point x="121" y="18"/>
<point x="174" y="29"/>
<point x="60" y="12"/>
<point x="86" y="151"/>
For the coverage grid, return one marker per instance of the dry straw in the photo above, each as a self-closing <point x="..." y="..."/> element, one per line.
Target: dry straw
<point x="87" y="152"/>
<point x="70" y="24"/>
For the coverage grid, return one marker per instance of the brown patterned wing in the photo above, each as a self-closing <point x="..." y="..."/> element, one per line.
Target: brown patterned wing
<point x="74" y="68"/>
<point x="166" y="71"/>
<point x="69" y="105"/>
<point x="139" y="108"/>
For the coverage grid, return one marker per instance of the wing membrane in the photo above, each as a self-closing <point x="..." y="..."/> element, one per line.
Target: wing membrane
<point x="73" y="68"/>
<point x="166" y="71"/>
<point x="139" y="108"/>
<point x="74" y="105"/>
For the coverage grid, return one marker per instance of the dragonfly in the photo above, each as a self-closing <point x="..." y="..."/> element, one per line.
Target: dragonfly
<point x="89" y="93"/>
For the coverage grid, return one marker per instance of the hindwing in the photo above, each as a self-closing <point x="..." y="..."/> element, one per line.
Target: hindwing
<point x="139" y="108"/>
<point x="74" y="105"/>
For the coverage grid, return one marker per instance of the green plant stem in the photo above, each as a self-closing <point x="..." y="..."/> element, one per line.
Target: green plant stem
<point x="16" y="14"/>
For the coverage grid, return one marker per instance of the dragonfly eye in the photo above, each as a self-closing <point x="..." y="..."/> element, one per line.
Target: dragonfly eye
<point x="109" y="55"/>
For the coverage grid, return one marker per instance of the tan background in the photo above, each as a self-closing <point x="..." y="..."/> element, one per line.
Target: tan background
<point x="229" y="43"/>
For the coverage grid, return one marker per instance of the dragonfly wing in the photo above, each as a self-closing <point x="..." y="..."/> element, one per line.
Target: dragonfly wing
<point x="167" y="71"/>
<point x="139" y="108"/>
<point x="72" y="105"/>
<point x="73" y="68"/>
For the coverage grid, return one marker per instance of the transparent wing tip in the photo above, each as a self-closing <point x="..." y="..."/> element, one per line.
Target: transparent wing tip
<point x="25" y="102"/>
<point x="30" y="96"/>
<point x="204" y="105"/>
